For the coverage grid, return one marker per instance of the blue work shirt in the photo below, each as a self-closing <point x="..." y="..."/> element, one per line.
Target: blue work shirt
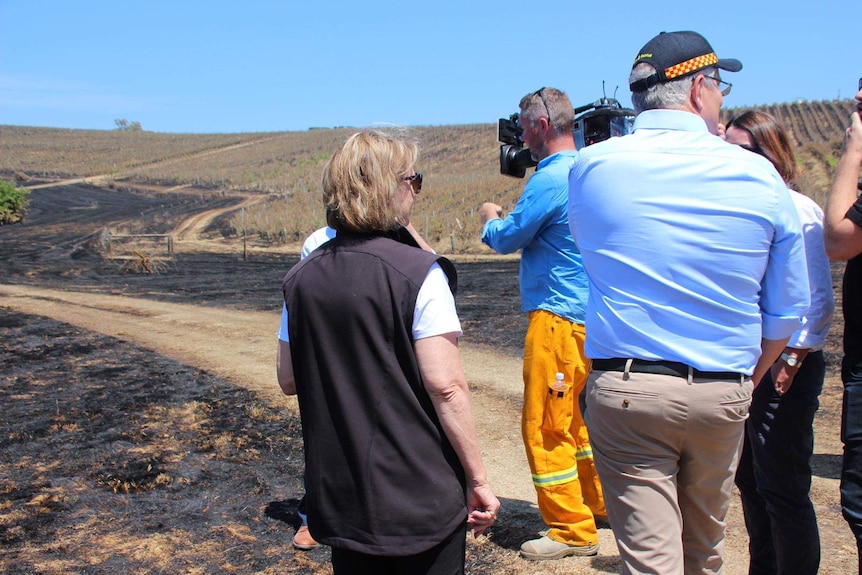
<point x="552" y="275"/>
<point x="693" y="246"/>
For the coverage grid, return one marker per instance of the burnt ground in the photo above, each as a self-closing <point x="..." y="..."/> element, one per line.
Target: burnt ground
<point x="114" y="458"/>
<point x="61" y="245"/>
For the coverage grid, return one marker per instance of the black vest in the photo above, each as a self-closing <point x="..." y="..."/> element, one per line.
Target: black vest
<point x="381" y="477"/>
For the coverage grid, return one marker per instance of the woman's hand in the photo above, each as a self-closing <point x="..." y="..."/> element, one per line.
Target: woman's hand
<point x="482" y="508"/>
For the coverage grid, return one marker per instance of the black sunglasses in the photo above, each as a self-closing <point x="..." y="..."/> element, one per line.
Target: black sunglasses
<point x="415" y="181"/>
<point x="860" y="83"/>
<point x="541" y="95"/>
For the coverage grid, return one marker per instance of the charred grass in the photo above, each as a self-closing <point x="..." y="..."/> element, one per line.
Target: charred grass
<point x="114" y="459"/>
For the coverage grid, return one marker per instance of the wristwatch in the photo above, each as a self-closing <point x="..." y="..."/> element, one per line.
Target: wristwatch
<point x="791" y="360"/>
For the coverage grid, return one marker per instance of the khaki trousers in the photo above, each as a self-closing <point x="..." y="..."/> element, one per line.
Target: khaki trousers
<point x="667" y="452"/>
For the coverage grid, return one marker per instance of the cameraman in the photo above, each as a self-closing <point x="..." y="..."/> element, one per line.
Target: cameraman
<point x="554" y="293"/>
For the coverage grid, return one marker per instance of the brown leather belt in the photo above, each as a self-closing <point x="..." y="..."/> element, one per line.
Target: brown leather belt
<point x="673" y="368"/>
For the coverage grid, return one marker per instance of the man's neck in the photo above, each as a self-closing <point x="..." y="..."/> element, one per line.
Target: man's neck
<point x="557" y="145"/>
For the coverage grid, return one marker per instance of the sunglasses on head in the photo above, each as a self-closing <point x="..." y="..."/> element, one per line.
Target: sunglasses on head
<point x="415" y="181"/>
<point x="541" y="94"/>
<point x="860" y="83"/>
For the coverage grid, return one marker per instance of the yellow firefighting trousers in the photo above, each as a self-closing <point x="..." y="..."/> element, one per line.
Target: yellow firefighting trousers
<point x="558" y="447"/>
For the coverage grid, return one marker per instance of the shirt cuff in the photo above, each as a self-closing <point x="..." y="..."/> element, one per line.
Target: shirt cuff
<point x="776" y="328"/>
<point x="486" y="231"/>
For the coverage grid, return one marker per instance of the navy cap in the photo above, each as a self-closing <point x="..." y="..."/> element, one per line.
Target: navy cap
<point x="678" y="54"/>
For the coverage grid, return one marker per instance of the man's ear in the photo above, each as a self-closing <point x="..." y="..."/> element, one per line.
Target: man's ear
<point x="695" y="95"/>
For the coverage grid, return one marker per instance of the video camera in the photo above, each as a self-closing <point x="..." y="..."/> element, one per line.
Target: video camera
<point x="594" y="123"/>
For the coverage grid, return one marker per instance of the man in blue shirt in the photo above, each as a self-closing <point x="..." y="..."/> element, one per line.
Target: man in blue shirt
<point x="697" y="278"/>
<point x="553" y="292"/>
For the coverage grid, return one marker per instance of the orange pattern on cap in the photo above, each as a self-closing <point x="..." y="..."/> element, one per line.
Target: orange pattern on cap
<point x="691" y="65"/>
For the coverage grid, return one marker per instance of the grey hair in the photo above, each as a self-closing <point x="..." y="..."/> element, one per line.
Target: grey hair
<point x="559" y="108"/>
<point x="671" y="95"/>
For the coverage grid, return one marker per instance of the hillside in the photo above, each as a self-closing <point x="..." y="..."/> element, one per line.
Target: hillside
<point x="460" y="165"/>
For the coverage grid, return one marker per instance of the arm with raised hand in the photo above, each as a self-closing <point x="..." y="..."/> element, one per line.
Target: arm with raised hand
<point x="843" y="237"/>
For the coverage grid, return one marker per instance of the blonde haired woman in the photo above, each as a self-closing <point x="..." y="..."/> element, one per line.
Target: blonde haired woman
<point x="394" y="474"/>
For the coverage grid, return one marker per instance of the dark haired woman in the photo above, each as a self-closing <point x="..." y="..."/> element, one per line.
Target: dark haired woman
<point x="774" y="474"/>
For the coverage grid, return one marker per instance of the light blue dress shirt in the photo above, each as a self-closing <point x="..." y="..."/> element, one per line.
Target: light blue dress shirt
<point x="693" y="246"/>
<point x="552" y="276"/>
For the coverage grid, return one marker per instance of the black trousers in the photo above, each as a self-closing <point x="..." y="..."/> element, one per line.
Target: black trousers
<point x="446" y="558"/>
<point x="774" y="474"/>
<point x="851" y="470"/>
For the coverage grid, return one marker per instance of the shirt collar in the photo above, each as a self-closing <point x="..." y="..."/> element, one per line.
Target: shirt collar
<point x="670" y="120"/>
<point x="562" y="154"/>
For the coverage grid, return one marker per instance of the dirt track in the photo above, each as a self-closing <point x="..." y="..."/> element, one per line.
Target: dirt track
<point x="225" y="324"/>
<point x="239" y="346"/>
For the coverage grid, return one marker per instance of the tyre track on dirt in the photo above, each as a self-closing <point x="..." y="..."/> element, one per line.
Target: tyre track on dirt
<point x="104" y="179"/>
<point x="191" y="228"/>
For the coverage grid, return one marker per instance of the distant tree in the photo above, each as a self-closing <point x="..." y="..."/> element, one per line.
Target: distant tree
<point x="13" y="202"/>
<point x="126" y="126"/>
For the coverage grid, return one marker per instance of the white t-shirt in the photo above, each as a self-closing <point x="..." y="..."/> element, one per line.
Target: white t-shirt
<point x="315" y="240"/>
<point x="434" y="313"/>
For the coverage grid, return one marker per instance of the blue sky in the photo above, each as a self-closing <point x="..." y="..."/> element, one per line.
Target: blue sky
<point x="266" y="65"/>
